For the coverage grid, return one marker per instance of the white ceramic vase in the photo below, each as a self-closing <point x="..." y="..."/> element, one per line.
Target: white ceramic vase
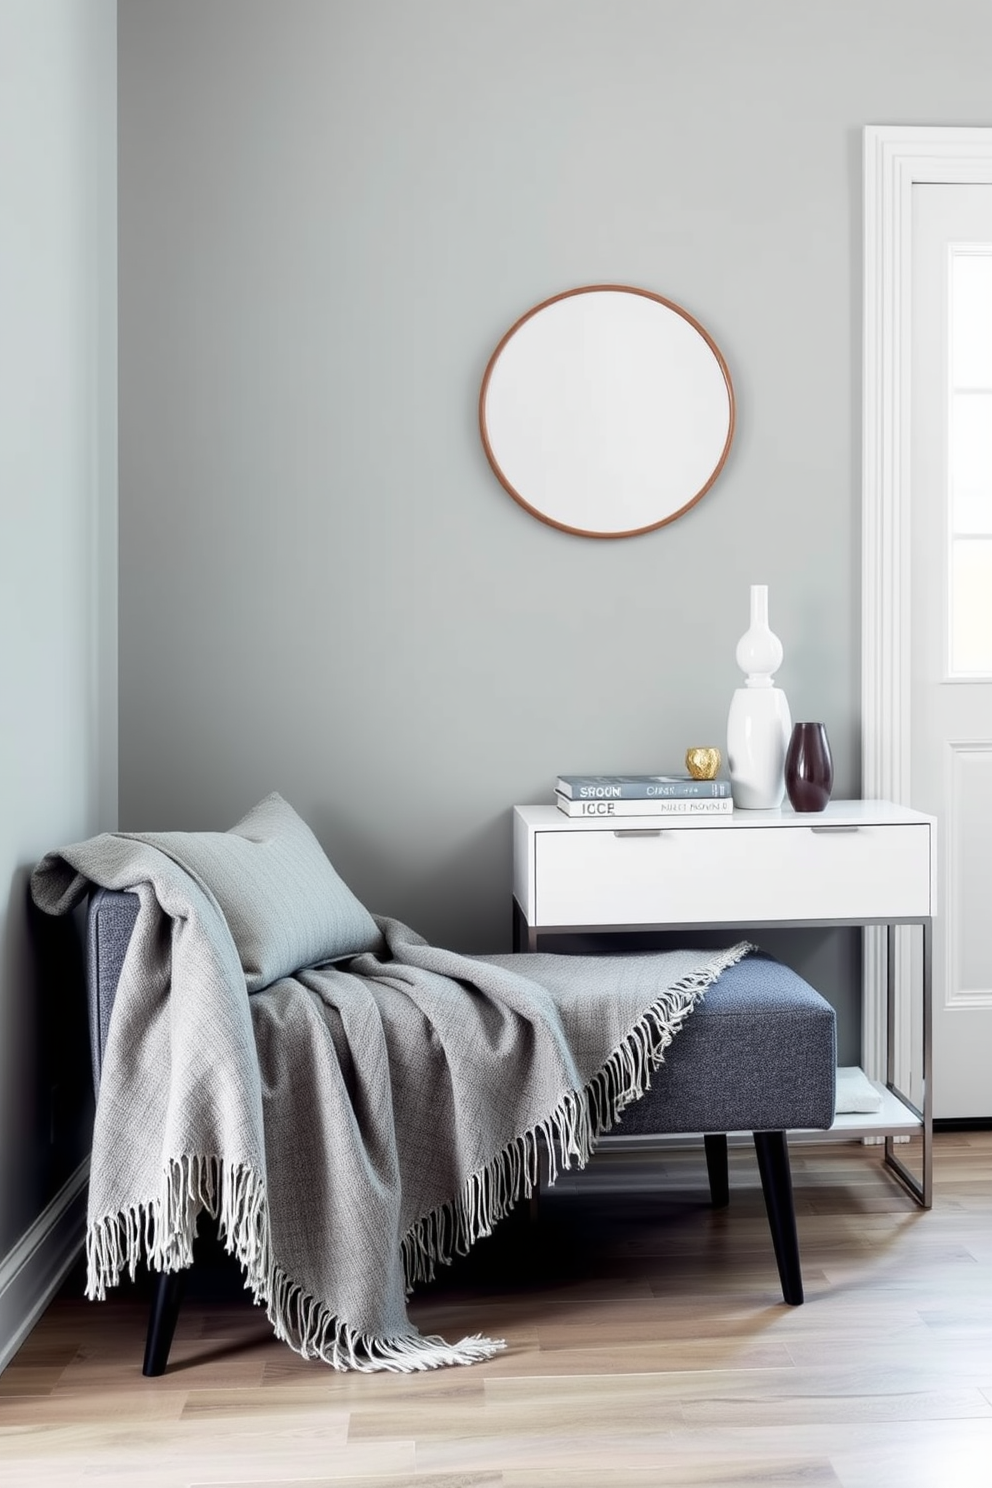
<point x="759" y="724"/>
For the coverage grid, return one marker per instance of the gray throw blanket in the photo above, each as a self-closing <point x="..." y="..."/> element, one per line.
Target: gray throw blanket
<point x="353" y="1104"/>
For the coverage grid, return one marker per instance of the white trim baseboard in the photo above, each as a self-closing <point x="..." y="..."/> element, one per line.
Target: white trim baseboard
<point x="33" y="1271"/>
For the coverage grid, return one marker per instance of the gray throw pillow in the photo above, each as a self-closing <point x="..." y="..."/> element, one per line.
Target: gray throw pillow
<point x="284" y="904"/>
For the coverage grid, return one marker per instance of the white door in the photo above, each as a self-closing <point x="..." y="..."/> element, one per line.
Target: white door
<point x="951" y="608"/>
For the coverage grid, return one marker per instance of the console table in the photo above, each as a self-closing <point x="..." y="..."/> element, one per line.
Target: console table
<point x="858" y="863"/>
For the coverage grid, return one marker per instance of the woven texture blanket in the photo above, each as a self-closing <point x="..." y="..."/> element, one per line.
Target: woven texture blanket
<point x="353" y="1104"/>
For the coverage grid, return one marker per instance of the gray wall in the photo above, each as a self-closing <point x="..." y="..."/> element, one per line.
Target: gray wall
<point x="58" y="590"/>
<point x="329" y="214"/>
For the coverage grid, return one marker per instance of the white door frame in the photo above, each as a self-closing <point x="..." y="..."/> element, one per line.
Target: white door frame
<point x="896" y="157"/>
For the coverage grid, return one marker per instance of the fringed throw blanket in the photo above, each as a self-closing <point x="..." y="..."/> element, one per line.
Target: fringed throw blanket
<point x="353" y="1104"/>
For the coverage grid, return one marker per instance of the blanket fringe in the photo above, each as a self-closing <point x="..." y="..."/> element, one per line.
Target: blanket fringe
<point x="163" y="1229"/>
<point x="566" y="1138"/>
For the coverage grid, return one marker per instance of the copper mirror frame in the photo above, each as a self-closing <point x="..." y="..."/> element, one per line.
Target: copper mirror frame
<point x="607" y="411"/>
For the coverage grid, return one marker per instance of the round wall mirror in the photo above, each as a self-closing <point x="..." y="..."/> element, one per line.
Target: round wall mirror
<point x="607" y="411"/>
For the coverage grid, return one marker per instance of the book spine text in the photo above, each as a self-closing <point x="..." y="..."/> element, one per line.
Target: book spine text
<point x="670" y="807"/>
<point x="675" y="790"/>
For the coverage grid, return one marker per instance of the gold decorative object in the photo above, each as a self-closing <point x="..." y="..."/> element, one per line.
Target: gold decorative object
<point x="702" y="763"/>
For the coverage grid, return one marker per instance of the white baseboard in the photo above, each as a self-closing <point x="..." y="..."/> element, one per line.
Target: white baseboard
<point x="33" y="1271"/>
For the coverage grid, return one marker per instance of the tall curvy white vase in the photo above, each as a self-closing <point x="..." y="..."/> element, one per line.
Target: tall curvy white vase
<point x="759" y="724"/>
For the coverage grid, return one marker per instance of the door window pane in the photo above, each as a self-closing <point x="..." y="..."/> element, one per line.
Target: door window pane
<point x="971" y="316"/>
<point x="971" y="611"/>
<point x="971" y="460"/>
<point x="969" y="455"/>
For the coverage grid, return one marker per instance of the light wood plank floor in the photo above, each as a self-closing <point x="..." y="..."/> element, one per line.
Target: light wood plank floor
<point x="647" y="1345"/>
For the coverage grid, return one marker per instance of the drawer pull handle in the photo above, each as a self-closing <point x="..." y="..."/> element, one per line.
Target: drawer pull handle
<point x="638" y="832"/>
<point x="836" y="827"/>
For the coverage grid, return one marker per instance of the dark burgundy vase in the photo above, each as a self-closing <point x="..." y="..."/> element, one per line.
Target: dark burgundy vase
<point x="809" y="767"/>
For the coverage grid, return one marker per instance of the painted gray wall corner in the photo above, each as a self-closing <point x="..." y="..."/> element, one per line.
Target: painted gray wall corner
<point x="58" y="599"/>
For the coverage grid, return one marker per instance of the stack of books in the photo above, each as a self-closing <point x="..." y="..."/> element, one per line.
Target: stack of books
<point x="642" y="795"/>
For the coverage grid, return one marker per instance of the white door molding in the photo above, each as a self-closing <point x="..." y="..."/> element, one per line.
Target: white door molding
<point x="896" y="158"/>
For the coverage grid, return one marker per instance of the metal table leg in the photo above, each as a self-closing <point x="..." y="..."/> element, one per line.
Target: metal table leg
<point x="921" y="1188"/>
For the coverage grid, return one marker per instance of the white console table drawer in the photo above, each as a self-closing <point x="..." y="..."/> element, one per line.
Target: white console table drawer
<point x="635" y="874"/>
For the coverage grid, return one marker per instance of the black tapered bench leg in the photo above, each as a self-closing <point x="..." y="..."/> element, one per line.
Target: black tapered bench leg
<point x="717" y="1168"/>
<point x="776" y="1184"/>
<point x="169" y="1287"/>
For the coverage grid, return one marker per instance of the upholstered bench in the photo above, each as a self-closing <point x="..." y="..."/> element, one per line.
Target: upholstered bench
<point x="757" y="1054"/>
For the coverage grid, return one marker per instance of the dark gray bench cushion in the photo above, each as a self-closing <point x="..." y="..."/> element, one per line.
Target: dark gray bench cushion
<point x="757" y="1054"/>
<point x="109" y="923"/>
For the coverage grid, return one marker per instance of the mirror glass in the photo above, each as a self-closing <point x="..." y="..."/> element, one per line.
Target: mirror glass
<point x="607" y="411"/>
